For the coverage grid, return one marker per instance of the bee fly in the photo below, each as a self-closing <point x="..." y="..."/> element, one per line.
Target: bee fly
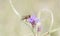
<point x="26" y="17"/>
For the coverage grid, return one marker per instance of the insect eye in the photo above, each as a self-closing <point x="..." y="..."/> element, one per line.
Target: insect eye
<point x="29" y="16"/>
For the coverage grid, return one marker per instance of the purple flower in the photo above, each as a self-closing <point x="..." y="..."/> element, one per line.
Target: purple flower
<point x="33" y="19"/>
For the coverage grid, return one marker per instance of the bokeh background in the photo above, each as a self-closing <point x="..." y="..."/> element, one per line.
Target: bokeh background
<point x="11" y="25"/>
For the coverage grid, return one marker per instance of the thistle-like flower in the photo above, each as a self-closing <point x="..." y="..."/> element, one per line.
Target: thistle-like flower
<point x="33" y="20"/>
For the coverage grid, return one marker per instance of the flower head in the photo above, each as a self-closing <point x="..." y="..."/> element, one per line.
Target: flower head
<point x="33" y="19"/>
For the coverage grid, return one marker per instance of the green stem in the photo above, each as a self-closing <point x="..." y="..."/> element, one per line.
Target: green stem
<point x="30" y="28"/>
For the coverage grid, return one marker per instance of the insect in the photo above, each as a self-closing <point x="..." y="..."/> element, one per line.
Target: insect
<point x="31" y="19"/>
<point x="26" y="17"/>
